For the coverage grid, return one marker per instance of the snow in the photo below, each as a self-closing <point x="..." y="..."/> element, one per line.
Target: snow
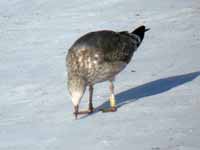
<point x="158" y="104"/>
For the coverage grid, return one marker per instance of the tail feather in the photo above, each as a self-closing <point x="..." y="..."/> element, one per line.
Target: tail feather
<point x="140" y="31"/>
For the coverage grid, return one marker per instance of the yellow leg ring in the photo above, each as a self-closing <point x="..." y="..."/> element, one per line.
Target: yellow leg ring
<point x="112" y="101"/>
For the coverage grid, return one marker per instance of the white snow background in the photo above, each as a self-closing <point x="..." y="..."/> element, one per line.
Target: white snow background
<point x="159" y="103"/>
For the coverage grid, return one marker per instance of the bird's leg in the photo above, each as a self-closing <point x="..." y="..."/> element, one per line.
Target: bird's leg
<point x="91" y="108"/>
<point x="76" y="111"/>
<point x="112" y="100"/>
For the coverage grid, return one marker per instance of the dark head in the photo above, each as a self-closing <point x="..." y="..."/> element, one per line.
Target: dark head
<point x="140" y="32"/>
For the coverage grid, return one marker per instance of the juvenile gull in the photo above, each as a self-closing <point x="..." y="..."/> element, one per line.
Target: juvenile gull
<point x="96" y="57"/>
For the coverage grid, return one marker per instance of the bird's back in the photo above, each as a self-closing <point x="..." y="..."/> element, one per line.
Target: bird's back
<point x="101" y="54"/>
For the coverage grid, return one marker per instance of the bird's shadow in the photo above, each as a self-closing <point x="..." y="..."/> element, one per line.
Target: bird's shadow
<point x="148" y="89"/>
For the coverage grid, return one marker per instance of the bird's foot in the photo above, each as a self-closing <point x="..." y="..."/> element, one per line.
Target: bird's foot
<point x="82" y="112"/>
<point x="91" y="109"/>
<point x="111" y="109"/>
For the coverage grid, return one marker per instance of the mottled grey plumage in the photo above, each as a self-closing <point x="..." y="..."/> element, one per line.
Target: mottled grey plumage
<point x="99" y="56"/>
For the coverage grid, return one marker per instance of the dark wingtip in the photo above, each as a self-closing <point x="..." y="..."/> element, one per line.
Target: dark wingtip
<point x="140" y="31"/>
<point x="141" y="28"/>
<point x="147" y="29"/>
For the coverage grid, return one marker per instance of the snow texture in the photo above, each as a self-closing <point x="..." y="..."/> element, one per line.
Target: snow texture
<point x="157" y="95"/>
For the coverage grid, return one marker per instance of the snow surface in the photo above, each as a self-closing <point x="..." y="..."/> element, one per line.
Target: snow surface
<point x="159" y="104"/>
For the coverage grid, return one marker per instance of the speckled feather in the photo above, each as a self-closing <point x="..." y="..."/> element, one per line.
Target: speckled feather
<point x="99" y="56"/>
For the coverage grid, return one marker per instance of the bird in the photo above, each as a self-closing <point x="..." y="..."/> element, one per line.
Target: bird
<point x="97" y="57"/>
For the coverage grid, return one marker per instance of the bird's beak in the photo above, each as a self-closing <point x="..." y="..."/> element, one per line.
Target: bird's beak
<point x="76" y="111"/>
<point x="147" y="29"/>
